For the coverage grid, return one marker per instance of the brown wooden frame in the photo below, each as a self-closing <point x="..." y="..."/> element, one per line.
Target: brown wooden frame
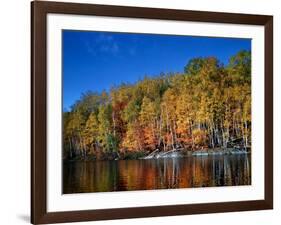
<point x="39" y="11"/>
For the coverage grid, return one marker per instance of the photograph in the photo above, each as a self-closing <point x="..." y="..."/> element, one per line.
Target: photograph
<point x="154" y="111"/>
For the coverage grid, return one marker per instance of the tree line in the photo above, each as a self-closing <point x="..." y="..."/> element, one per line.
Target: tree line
<point x="207" y="106"/>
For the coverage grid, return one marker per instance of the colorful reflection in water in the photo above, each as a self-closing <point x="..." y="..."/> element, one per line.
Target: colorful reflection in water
<point x="127" y="175"/>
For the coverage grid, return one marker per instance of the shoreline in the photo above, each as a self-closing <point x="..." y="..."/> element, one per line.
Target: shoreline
<point x="176" y="153"/>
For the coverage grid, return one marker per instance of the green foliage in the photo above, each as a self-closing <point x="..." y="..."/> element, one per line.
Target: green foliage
<point x="194" y="66"/>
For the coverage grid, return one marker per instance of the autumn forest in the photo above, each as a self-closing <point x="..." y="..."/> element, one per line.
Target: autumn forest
<point x="206" y="107"/>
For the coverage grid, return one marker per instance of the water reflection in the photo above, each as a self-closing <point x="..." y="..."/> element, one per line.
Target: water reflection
<point x="124" y="175"/>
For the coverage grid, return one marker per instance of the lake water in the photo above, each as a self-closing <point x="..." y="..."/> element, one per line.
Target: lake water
<point x="126" y="175"/>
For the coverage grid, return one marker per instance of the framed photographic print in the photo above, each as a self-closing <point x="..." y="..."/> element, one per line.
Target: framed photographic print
<point x="142" y="112"/>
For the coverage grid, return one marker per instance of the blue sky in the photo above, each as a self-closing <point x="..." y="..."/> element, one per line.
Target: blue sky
<point x="97" y="61"/>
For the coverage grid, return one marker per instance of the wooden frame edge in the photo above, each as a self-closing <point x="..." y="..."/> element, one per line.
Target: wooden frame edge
<point x="268" y="117"/>
<point x="38" y="112"/>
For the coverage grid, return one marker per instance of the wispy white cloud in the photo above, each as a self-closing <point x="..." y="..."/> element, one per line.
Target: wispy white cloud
<point x="104" y="43"/>
<point x="107" y="43"/>
<point x="104" y="38"/>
